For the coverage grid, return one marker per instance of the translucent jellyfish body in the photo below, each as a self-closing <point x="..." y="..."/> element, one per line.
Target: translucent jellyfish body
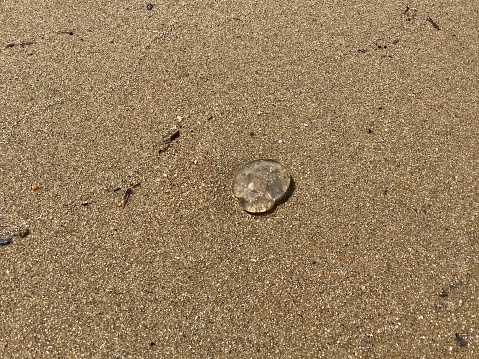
<point x="260" y="184"/>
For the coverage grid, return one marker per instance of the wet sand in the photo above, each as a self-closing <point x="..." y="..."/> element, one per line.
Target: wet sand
<point x="132" y="123"/>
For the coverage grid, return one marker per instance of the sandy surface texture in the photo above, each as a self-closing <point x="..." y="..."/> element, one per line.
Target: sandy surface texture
<point x="121" y="129"/>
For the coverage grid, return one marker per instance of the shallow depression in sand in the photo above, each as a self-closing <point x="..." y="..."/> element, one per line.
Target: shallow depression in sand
<point x="259" y="184"/>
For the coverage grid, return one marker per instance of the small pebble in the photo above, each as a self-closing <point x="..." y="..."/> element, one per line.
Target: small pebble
<point x="260" y="184"/>
<point x="5" y="241"/>
<point x="149" y="6"/>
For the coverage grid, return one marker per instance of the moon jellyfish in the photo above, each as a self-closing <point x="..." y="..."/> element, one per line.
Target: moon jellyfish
<point x="260" y="184"/>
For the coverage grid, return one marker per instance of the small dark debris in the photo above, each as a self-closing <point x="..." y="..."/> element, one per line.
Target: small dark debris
<point x="370" y="131"/>
<point x="251" y="133"/>
<point x="172" y="135"/>
<point x="410" y="12"/>
<point x="444" y="294"/>
<point x="152" y="344"/>
<point x="460" y="340"/>
<point x="22" y="44"/>
<point x="175" y="135"/>
<point x="395" y="42"/>
<point x="314" y="263"/>
<point x="149" y="6"/>
<point x="85" y="203"/>
<point x="128" y="194"/>
<point x="5" y="241"/>
<point x="362" y="51"/>
<point x="433" y="23"/>
<point x="24" y="232"/>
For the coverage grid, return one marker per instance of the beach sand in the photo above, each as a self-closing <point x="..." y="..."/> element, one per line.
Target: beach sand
<point x="372" y="108"/>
